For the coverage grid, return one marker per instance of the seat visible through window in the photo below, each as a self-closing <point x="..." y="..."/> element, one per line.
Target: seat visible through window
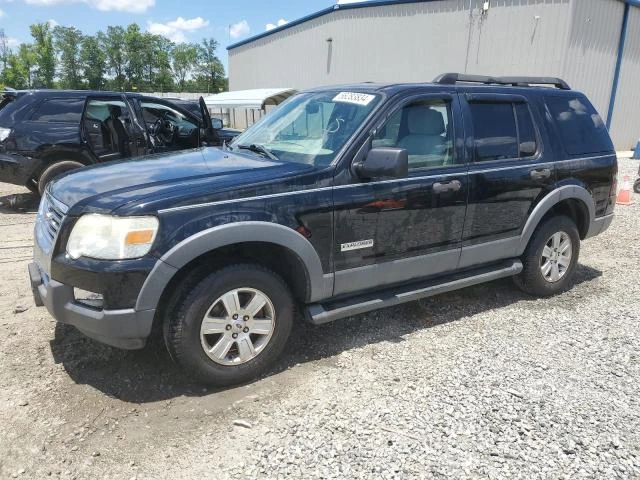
<point x="423" y="129"/>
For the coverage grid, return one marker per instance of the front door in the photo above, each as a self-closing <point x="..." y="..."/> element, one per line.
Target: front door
<point x="168" y="127"/>
<point x="508" y="173"/>
<point x="396" y="230"/>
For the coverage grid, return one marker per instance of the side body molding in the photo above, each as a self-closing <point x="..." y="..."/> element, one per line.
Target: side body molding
<point x="563" y="193"/>
<point x="320" y="284"/>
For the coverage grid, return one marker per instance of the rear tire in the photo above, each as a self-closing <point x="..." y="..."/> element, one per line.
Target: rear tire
<point x="231" y="325"/>
<point x="53" y="170"/>
<point x="636" y="185"/>
<point x="550" y="259"/>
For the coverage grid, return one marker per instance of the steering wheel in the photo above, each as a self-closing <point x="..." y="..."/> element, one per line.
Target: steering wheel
<point x="164" y="130"/>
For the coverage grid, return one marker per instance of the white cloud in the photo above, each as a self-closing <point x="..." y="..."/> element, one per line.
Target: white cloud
<point x="174" y="30"/>
<point x="279" y="23"/>
<point x="134" y="6"/>
<point x="12" y="42"/>
<point x="239" y="29"/>
<point x="2" y="14"/>
<point x="188" y="25"/>
<point x="52" y="23"/>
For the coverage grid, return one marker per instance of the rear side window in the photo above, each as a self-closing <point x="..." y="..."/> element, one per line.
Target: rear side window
<point x="59" y="110"/>
<point x="14" y="109"/>
<point x="502" y="130"/>
<point x="579" y="126"/>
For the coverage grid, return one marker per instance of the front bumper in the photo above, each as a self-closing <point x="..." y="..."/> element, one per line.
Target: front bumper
<point x="126" y="328"/>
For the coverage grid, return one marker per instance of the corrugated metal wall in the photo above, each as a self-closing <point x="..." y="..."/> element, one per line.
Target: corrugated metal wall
<point x="406" y="42"/>
<point x="591" y="53"/>
<point x="574" y="39"/>
<point x="625" y="125"/>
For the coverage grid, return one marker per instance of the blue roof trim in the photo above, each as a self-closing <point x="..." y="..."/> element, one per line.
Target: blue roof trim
<point x="348" y="6"/>
<point x="327" y="11"/>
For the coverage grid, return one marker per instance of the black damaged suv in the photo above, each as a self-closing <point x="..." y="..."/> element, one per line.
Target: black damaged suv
<point x="341" y="201"/>
<point x="44" y="133"/>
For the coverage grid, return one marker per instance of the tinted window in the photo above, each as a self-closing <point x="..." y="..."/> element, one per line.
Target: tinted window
<point x="15" y="109"/>
<point x="580" y="127"/>
<point x="526" y="131"/>
<point x="59" y="110"/>
<point x="494" y="127"/>
<point x="424" y="129"/>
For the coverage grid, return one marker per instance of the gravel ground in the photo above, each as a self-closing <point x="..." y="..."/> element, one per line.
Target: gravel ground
<point x="481" y="383"/>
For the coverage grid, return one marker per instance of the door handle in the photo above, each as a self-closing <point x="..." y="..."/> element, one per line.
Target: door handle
<point x="540" y="174"/>
<point x="442" y="187"/>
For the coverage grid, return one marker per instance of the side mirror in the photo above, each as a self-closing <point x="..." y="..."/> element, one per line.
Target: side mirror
<point x="384" y="162"/>
<point x="216" y="123"/>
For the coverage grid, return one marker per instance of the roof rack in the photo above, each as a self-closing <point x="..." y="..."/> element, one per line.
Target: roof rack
<point x="453" y="78"/>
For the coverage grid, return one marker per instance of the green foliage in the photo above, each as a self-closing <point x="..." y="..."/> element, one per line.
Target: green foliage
<point x="45" y="59"/>
<point x="185" y="58"/>
<point x="93" y="60"/>
<point x="68" y="41"/>
<point x="122" y="58"/>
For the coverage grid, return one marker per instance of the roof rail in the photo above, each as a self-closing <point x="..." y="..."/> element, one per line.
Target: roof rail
<point x="453" y="78"/>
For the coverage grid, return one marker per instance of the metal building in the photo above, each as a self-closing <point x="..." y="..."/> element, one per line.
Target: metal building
<point x="593" y="44"/>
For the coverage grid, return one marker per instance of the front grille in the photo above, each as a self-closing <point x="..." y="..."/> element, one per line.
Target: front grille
<point x="50" y="216"/>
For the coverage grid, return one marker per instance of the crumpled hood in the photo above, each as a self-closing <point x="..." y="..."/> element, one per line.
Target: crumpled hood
<point x="108" y="186"/>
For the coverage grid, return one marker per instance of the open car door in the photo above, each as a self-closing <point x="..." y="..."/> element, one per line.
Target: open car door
<point x="210" y="136"/>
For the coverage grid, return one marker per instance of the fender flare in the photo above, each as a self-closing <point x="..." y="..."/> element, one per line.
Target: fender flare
<point x="563" y="193"/>
<point x="320" y="284"/>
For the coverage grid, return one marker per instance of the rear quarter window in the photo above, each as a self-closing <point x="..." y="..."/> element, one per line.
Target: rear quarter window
<point x="580" y="128"/>
<point x="59" y="110"/>
<point x="15" y="109"/>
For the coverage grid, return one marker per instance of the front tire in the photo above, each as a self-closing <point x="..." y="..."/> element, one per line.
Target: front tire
<point x="550" y="259"/>
<point x="53" y="171"/>
<point x="231" y="325"/>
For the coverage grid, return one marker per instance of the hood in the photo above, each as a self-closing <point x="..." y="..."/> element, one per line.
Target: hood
<point x="107" y="187"/>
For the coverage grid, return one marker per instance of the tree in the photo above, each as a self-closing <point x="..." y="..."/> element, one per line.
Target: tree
<point x="44" y="54"/>
<point x="113" y="42"/>
<point x="94" y="61"/>
<point x="209" y="66"/>
<point x="5" y="51"/>
<point x="134" y="53"/>
<point x="185" y="58"/>
<point x="67" y="41"/>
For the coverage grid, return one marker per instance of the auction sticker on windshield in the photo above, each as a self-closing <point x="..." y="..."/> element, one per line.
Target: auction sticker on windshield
<point x="354" y="97"/>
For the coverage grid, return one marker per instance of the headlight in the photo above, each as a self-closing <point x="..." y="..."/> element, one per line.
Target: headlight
<point x="4" y="133"/>
<point x="112" y="238"/>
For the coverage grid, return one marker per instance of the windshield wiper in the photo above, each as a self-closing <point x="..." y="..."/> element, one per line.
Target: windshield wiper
<point x="258" y="148"/>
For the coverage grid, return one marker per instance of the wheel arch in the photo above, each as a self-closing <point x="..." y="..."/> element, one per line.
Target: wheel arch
<point x="275" y="246"/>
<point x="573" y="201"/>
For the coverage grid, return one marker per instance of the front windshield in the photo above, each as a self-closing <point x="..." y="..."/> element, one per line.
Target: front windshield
<point x="310" y="127"/>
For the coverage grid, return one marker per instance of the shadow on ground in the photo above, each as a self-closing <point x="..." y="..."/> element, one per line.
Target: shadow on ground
<point x="19" y="203"/>
<point x="149" y="375"/>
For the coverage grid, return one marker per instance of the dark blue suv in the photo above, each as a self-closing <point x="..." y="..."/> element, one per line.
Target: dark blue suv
<point x="343" y="200"/>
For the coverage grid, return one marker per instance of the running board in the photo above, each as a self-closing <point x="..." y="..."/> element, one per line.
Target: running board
<point x="318" y="313"/>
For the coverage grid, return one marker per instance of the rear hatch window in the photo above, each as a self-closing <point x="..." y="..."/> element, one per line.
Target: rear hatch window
<point x="6" y="99"/>
<point x="580" y="128"/>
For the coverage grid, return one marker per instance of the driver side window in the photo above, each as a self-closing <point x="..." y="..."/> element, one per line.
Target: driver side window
<point x="424" y="129"/>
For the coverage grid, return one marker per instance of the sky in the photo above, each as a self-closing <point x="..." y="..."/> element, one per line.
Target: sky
<point x="228" y="21"/>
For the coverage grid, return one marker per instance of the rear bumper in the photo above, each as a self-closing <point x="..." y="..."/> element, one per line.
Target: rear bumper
<point x="16" y="169"/>
<point x="126" y="328"/>
<point x="599" y="225"/>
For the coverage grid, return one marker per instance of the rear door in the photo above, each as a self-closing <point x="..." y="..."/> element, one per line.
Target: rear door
<point x="509" y="172"/>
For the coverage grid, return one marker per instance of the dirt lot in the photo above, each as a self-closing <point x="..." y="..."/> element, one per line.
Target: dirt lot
<point x="485" y="382"/>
